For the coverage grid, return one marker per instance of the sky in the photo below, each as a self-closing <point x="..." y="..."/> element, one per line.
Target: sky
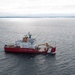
<point x="24" y="7"/>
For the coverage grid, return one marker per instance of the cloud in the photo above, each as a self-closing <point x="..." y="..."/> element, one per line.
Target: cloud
<point x="22" y="7"/>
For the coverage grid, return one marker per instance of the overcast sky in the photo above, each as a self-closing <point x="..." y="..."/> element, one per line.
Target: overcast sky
<point x="23" y="7"/>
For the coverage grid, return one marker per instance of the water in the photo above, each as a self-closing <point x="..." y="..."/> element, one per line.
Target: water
<point x="59" y="30"/>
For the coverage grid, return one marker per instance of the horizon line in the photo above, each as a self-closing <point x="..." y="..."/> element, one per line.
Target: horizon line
<point x="43" y="16"/>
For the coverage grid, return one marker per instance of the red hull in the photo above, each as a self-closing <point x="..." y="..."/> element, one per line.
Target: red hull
<point x="28" y="50"/>
<point x="23" y="50"/>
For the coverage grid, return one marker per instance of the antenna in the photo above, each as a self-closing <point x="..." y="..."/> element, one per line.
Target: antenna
<point x="29" y="35"/>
